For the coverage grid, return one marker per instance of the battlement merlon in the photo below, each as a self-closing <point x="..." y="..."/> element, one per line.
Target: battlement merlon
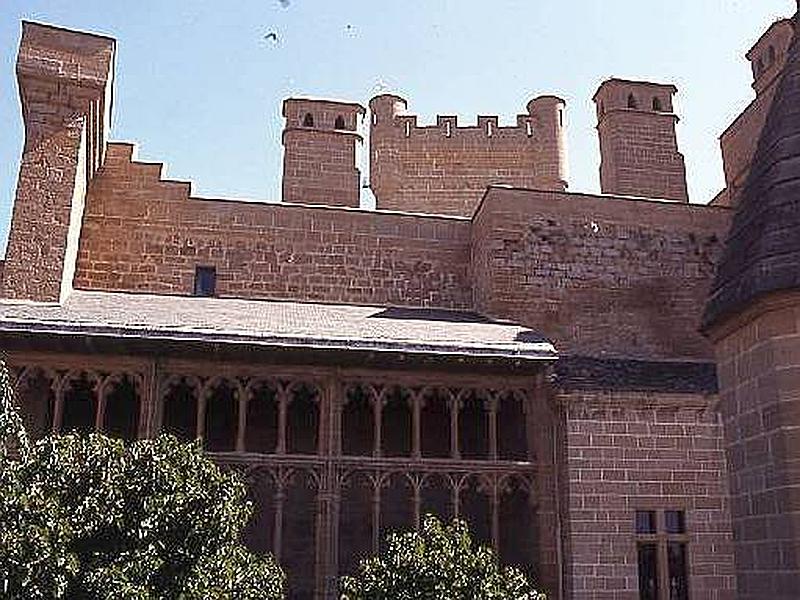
<point x="63" y="74"/>
<point x="389" y="110"/>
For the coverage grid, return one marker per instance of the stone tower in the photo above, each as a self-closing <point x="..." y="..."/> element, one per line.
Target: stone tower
<point x="638" y="146"/>
<point x="319" y="160"/>
<point x="753" y="318"/>
<point x="738" y="142"/>
<point x="65" y="85"/>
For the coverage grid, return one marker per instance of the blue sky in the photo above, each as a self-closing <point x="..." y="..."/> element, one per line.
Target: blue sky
<point x="199" y="88"/>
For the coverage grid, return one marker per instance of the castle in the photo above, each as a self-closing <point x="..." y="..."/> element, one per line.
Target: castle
<point x="604" y="386"/>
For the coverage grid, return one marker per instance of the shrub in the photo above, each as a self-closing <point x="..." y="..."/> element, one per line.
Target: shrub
<point x="439" y="562"/>
<point x="89" y="517"/>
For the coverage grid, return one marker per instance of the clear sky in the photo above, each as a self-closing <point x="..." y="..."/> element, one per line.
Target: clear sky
<point x="200" y="88"/>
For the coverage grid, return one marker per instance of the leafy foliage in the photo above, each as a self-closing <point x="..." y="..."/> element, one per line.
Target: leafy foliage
<point x="89" y="517"/>
<point x="440" y="562"/>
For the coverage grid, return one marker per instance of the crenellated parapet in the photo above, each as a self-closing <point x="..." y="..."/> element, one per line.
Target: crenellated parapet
<point x="444" y="168"/>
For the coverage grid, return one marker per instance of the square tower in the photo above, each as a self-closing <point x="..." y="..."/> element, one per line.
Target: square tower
<point x="638" y="146"/>
<point x="319" y="160"/>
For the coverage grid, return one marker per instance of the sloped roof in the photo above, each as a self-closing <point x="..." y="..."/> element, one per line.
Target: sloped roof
<point x="277" y="324"/>
<point x="762" y="251"/>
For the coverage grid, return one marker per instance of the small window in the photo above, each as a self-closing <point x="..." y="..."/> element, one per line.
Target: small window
<point x="759" y="66"/>
<point x="632" y="101"/>
<point x="645" y="522"/>
<point x="771" y="55"/>
<point x="675" y="521"/>
<point x="339" y="122"/>
<point x="205" y="281"/>
<point x="308" y="120"/>
<point x="657" y="106"/>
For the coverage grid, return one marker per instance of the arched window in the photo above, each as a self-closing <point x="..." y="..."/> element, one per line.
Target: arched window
<point x="339" y="123"/>
<point x="657" y="105"/>
<point x="80" y="404"/>
<point x="771" y="55"/>
<point x="308" y="120"/>
<point x="357" y="422"/>
<point x="121" y="413"/>
<point x="222" y="417"/>
<point x="632" y="101"/>
<point x="302" y="419"/>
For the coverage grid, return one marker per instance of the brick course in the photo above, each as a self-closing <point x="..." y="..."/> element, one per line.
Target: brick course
<point x="758" y="354"/>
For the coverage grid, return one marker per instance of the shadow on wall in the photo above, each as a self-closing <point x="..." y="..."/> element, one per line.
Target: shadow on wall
<point x="455" y="316"/>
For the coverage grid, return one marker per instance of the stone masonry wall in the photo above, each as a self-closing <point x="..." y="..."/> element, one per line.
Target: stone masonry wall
<point x="629" y="451"/>
<point x="599" y="276"/>
<point x="759" y="373"/>
<point x="143" y="234"/>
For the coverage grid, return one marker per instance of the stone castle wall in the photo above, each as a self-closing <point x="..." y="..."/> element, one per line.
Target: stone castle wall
<point x="143" y="234"/>
<point x="600" y="276"/>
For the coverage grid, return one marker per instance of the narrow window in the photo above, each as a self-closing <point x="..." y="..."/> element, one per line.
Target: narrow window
<point x="374" y="119"/>
<point x="648" y="572"/>
<point x="448" y="129"/>
<point x="339" y="122"/>
<point x="308" y="120"/>
<point x="771" y="55"/>
<point x="560" y="118"/>
<point x="205" y="281"/>
<point x="657" y="105"/>
<point x="529" y="128"/>
<point x="760" y="66"/>
<point x="662" y="555"/>
<point x="408" y="129"/>
<point x="632" y="101"/>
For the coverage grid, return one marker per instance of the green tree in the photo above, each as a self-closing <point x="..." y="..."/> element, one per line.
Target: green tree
<point x="440" y="562"/>
<point x="89" y="517"/>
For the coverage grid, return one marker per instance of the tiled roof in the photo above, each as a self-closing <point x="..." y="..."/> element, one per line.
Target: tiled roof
<point x="762" y="252"/>
<point x="278" y="324"/>
<point x="675" y="377"/>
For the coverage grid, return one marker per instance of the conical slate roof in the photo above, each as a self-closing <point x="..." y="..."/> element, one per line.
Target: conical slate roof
<point x="762" y="251"/>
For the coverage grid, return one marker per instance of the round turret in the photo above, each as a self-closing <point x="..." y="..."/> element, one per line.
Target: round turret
<point x="547" y="114"/>
<point x="385" y="107"/>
